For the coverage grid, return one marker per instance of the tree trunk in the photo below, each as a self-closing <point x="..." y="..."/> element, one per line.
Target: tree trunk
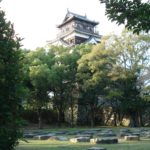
<point x="61" y="109"/>
<point x="60" y="117"/>
<point x="39" y="118"/>
<point x="92" y="119"/>
<point x="108" y="118"/>
<point x="72" y="116"/>
<point x="134" y="120"/>
<point x="140" y="119"/>
<point x="115" y="119"/>
<point x="119" y="118"/>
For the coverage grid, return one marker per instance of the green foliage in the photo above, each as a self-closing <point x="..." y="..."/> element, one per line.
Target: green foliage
<point x="134" y="14"/>
<point x="37" y="79"/>
<point x="10" y="85"/>
<point x="114" y="71"/>
<point x="93" y="66"/>
<point x="51" y="71"/>
<point x="109" y="74"/>
<point x="92" y="76"/>
<point x="63" y="79"/>
<point x="132" y="57"/>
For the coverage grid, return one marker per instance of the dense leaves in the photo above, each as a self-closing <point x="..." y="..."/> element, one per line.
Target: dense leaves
<point x="132" y="58"/>
<point x="82" y="83"/>
<point x="134" y="14"/>
<point x="10" y="85"/>
<point x="92" y="73"/>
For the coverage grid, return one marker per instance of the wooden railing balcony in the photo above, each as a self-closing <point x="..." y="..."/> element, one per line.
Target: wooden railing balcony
<point x="85" y="30"/>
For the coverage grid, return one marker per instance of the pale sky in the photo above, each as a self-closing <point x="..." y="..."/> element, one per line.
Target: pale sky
<point x="36" y="20"/>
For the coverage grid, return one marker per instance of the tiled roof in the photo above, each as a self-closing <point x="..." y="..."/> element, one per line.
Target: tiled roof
<point x="92" y="40"/>
<point x="71" y="15"/>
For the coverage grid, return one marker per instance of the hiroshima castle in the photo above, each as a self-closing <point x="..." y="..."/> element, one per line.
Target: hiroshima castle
<point x="76" y="29"/>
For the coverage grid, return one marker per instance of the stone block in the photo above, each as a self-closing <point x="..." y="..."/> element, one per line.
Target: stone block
<point x="29" y="135"/>
<point x="83" y="139"/>
<point x="41" y="137"/>
<point x="84" y="135"/>
<point x="132" y="138"/>
<point x="73" y="132"/>
<point x="106" y="134"/>
<point x="61" y="138"/>
<point x="123" y="134"/>
<point x="93" y="141"/>
<point x="107" y="141"/>
<point x="80" y="139"/>
<point x="89" y="132"/>
<point x="73" y="140"/>
<point x="124" y="130"/>
<point x="96" y="148"/>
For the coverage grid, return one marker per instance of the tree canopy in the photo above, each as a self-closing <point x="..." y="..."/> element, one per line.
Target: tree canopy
<point x="10" y="85"/>
<point x="79" y="84"/>
<point x="134" y="14"/>
<point x="113" y="71"/>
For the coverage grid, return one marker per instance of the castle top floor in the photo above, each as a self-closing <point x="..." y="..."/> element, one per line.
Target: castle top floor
<point x="77" y="22"/>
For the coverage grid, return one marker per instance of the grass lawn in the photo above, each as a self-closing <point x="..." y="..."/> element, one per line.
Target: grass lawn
<point x="66" y="145"/>
<point x="56" y="145"/>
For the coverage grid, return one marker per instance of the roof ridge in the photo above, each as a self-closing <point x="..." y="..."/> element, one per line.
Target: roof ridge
<point x="75" y="14"/>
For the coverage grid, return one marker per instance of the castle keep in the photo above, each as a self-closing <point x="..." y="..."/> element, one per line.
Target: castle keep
<point x="76" y="29"/>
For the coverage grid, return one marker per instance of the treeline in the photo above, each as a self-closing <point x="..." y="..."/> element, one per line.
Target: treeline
<point x="89" y="84"/>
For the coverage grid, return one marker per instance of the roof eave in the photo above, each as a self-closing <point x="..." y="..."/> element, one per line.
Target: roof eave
<point x="74" y="17"/>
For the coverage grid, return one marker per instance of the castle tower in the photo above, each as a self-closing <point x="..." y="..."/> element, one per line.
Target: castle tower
<point x="76" y="29"/>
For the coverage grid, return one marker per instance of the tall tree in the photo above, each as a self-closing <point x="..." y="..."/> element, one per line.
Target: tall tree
<point x="37" y="80"/>
<point x="71" y="84"/>
<point x="134" y="14"/>
<point x="113" y="70"/>
<point x="63" y="80"/>
<point x="92" y="76"/>
<point x="10" y="85"/>
<point x="132" y="58"/>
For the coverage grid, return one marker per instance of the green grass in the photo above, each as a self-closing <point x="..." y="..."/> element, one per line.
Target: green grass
<point x="58" y="145"/>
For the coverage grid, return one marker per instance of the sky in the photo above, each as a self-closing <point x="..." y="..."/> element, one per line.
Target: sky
<point x="36" y="20"/>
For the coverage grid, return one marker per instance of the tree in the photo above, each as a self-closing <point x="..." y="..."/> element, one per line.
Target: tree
<point x="37" y="80"/>
<point x="10" y="85"/>
<point x="93" y="68"/>
<point x="50" y="78"/>
<point x="132" y="57"/>
<point x="63" y="81"/>
<point x="134" y="14"/>
<point x="114" y="71"/>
